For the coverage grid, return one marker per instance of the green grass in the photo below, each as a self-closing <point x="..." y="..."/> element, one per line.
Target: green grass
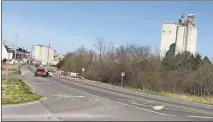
<point x="17" y="72"/>
<point x="15" y="91"/>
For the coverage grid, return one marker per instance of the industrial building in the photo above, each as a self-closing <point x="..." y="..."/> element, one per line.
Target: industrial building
<point x="179" y="37"/>
<point x="57" y="58"/>
<point x="44" y="54"/>
<point x="5" y="53"/>
<point x="10" y="53"/>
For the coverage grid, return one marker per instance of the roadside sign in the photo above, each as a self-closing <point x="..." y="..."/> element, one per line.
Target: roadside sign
<point x="122" y="74"/>
<point x="83" y="69"/>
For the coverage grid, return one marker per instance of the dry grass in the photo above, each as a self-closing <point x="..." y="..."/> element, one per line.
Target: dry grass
<point x="10" y="69"/>
<point x="204" y="100"/>
<point x="15" y="91"/>
<point x="12" y="72"/>
<point x="187" y="97"/>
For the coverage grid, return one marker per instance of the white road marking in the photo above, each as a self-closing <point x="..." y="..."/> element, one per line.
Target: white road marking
<point x="42" y="83"/>
<point x="131" y="100"/>
<point x="116" y="101"/>
<point x="158" y="107"/>
<point x="82" y="115"/>
<point x="205" y="117"/>
<point x="65" y="96"/>
<point x="53" y="117"/>
<point x="136" y="103"/>
<point x="32" y="117"/>
<point x="122" y="99"/>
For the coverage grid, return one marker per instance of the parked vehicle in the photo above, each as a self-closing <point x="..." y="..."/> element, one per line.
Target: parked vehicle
<point x="36" y="65"/>
<point x="40" y="72"/>
<point x="49" y="73"/>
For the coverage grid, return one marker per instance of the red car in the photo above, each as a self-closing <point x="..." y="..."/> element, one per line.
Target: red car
<point x="40" y="72"/>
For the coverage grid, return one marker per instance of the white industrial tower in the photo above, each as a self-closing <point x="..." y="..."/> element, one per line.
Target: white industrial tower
<point x="44" y="54"/>
<point x="179" y="37"/>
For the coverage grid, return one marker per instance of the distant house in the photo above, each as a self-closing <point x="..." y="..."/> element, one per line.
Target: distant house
<point x="22" y="53"/>
<point x="10" y="53"/>
<point x="6" y="53"/>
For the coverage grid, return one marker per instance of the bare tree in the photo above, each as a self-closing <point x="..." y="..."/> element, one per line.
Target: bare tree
<point x="100" y="46"/>
<point x="81" y="50"/>
<point x="143" y="69"/>
<point x="110" y="52"/>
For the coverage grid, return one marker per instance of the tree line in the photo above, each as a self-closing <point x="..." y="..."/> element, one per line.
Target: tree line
<point x="182" y="73"/>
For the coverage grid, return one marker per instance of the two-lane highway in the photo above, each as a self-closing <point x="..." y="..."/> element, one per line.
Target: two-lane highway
<point x="68" y="100"/>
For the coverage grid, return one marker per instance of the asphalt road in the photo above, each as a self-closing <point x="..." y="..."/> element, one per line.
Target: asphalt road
<point x="68" y="100"/>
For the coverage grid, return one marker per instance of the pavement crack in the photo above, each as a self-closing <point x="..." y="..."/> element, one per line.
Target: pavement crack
<point x="51" y="112"/>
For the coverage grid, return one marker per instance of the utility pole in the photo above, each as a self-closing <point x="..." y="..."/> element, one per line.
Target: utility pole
<point x="8" y="53"/>
<point x="31" y="52"/>
<point x="31" y="55"/>
<point x="23" y="50"/>
<point x="156" y="51"/>
<point x="18" y="54"/>
<point x="40" y="59"/>
<point x="15" y="45"/>
<point x="48" y="55"/>
<point x="12" y="49"/>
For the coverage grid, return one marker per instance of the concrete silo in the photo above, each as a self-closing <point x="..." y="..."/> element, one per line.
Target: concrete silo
<point x="44" y="54"/>
<point x="181" y="36"/>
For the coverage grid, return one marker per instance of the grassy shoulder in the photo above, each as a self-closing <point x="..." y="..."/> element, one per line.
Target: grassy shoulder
<point x="11" y="69"/>
<point x="18" y="72"/>
<point x="15" y="91"/>
<point x="204" y="100"/>
<point x="187" y="97"/>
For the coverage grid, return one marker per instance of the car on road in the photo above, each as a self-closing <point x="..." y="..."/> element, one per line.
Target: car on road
<point x="40" y="72"/>
<point x="49" y="73"/>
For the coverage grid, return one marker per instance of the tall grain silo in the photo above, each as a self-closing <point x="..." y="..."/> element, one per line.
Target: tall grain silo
<point x="44" y="54"/>
<point x="179" y="37"/>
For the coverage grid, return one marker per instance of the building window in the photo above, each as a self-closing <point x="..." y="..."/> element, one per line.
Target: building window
<point x="169" y="31"/>
<point x="163" y="31"/>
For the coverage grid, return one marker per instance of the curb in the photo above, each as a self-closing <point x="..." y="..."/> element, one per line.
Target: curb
<point x="23" y="104"/>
